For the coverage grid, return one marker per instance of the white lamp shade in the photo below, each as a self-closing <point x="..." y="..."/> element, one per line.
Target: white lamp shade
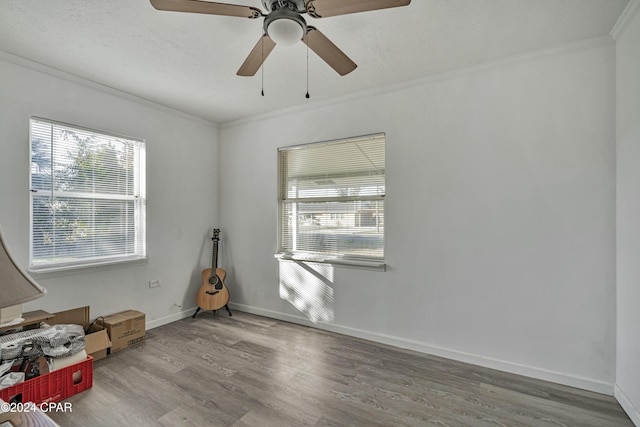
<point x="285" y="32"/>
<point x="16" y="287"/>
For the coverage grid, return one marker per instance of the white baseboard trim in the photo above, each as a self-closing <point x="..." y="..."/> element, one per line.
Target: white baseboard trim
<point x="632" y="411"/>
<point x="171" y="318"/>
<point x="487" y="362"/>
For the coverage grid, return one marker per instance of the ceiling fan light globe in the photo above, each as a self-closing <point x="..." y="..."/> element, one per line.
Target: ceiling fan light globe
<point x="285" y="32"/>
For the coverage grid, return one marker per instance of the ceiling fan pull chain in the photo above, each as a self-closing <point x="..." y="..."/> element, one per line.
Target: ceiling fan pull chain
<point x="308" y="41"/>
<point x="262" y="68"/>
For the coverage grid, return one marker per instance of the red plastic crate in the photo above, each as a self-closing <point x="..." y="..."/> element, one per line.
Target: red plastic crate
<point x="54" y="386"/>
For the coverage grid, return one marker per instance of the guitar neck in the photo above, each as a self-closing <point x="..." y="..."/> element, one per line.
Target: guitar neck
<point x="214" y="255"/>
<point x="214" y="252"/>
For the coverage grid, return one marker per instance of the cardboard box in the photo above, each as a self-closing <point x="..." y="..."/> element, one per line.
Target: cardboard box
<point x="96" y="337"/>
<point x="9" y="314"/>
<point x="125" y="328"/>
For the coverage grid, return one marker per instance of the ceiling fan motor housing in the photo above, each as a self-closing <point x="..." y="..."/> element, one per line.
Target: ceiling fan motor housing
<point x="284" y="23"/>
<point x="294" y="5"/>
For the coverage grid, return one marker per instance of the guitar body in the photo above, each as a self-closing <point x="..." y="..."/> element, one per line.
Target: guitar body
<point x="213" y="294"/>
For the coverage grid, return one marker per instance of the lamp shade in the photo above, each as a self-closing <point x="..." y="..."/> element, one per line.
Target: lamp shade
<point x="285" y="27"/>
<point x="285" y="32"/>
<point x="16" y="287"/>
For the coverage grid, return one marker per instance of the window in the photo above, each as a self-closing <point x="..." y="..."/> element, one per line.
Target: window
<point x="87" y="197"/>
<point x="331" y="198"/>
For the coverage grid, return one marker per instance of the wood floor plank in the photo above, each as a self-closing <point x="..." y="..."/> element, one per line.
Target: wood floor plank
<point x="248" y="370"/>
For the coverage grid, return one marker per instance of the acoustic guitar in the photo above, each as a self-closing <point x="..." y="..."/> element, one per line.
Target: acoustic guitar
<point x="213" y="294"/>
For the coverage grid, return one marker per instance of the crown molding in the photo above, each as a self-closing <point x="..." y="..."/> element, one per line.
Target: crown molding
<point x="565" y="48"/>
<point x="626" y="18"/>
<point x="63" y="75"/>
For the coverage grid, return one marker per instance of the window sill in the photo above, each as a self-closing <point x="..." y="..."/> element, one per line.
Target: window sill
<point x="54" y="270"/>
<point x="334" y="261"/>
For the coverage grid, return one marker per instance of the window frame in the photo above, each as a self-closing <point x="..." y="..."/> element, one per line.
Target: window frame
<point x="139" y="199"/>
<point x="340" y="259"/>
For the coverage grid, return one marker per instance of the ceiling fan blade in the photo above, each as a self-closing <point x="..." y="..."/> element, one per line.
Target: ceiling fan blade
<point x="328" y="51"/>
<point x="212" y="8"/>
<point x="326" y="8"/>
<point x="256" y="57"/>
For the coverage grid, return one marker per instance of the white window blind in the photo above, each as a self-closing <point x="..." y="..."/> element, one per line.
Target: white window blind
<point x="331" y="198"/>
<point x="87" y="197"/>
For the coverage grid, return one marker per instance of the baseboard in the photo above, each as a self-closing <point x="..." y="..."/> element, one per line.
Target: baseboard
<point x="487" y="362"/>
<point x="632" y="411"/>
<point x="171" y="318"/>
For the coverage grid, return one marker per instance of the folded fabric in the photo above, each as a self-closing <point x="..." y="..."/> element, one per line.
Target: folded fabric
<point x="11" y="379"/>
<point x="5" y="367"/>
<point x="52" y="341"/>
<point x="63" y="362"/>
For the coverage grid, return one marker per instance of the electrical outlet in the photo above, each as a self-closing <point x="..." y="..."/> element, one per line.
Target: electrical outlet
<point x="154" y="283"/>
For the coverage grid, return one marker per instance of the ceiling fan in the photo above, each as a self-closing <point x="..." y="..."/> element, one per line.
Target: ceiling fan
<point x="284" y="25"/>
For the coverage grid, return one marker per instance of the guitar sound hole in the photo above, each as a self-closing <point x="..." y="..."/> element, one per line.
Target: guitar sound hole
<point x="216" y="282"/>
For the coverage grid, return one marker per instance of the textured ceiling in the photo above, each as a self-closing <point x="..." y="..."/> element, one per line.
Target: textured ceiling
<point x="189" y="61"/>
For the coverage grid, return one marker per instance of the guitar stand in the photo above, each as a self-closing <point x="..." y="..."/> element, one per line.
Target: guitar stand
<point x="214" y="311"/>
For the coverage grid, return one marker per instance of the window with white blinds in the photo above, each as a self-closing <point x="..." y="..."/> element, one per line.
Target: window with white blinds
<point x="87" y="197"/>
<point x="331" y="198"/>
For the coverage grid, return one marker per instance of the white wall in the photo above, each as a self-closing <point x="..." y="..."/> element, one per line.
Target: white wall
<point x="628" y="217"/>
<point x="500" y="221"/>
<point x="500" y="217"/>
<point x="181" y="185"/>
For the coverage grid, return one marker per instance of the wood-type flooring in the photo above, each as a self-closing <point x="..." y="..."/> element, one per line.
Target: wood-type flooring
<point x="253" y="371"/>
